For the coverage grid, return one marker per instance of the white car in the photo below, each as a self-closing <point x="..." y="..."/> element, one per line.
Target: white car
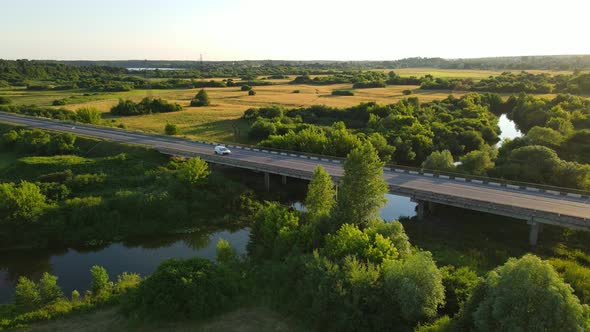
<point x="220" y="149"/>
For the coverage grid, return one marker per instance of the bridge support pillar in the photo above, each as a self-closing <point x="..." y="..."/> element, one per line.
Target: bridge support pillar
<point x="421" y="210"/>
<point x="283" y="179"/>
<point x="534" y="231"/>
<point x="267" y="181"/>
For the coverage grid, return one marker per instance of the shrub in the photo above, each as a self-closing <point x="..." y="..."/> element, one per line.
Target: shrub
<point x="26" y="295"/>
<point x="146" y="106"/>
<point x="5" y="100"/>
<point x="171" y="129"/>
<point x="184" y="289"/>
<point x="296" y="91"/>
<point x="246" y="88"/>
<point x="48" y="289"/>
<point x="407" y="92"/>
<point x="100" y="279"/>
<point x="59" y="102"/>
<point x="88" y="115"/>
<point x="225" y="252"/>
<point x="251" y="93"/>
<point x="201" y="99"/>
<point x="342" y="93"/>
<point x="262" y="129"/>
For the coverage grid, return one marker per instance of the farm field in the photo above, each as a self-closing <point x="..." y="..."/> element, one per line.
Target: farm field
<point x="221" y="120"/>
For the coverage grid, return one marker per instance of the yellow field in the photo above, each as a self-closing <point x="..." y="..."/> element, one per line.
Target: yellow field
<point x="218" y="121"/>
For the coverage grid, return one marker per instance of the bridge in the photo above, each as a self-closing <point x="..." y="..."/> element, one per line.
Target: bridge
<point x="536" y="204"/>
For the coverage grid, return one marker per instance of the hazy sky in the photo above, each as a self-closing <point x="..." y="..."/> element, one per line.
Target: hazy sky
<point x="290" y="29"/>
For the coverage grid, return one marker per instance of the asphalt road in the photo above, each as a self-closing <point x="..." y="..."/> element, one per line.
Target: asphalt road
<point x="518" y="198"/>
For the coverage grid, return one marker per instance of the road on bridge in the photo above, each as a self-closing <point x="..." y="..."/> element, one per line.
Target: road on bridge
<point x="483" y="194"/>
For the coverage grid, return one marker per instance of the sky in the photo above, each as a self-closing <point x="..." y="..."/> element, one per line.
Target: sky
<point x="290" y="29"/>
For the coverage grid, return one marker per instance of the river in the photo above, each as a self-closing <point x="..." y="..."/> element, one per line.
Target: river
<point x="508" y="128"/>
<point x="72" y="266"/>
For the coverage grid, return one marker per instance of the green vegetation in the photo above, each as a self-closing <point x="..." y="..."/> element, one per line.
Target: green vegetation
<point x="45" y="300"/>
<point x="342" y="93"/>
<point x="62" y="190"/>
<point x="171" y="129"/>
<point x="201" y="99"/>
<point x="88" y="115"/>
<point x="330" y="271"/>
<point x="146" y="106"/>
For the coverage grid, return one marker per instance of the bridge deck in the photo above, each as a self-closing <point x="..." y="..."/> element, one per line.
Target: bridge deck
<point x="544" y="207"/>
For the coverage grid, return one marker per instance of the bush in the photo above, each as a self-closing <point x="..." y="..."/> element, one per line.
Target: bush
<point x="407" y="92"/>
<point x="26" y="295"/>
<point x="201" y="99"/>
<point x="5" y="100"/>
<point x="262" y="129"/>
<point x="48" y="289"/>
<point x="251" y="93"/>
<point x="171" y="129"/>
<point x="296" y="91"/>
<point x="59" y="102"/>
<point x="246" y="88"/>
<point x="184" y="289"/>
<point x="88" y="115"/>
<point x="342" y="93"/>
<point x="146" y="106"/>
<point x="100" y="280"/>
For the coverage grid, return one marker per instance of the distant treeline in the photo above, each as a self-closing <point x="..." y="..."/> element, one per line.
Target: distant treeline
<point x="575" y="83"/>
<point x="547" y="62"/>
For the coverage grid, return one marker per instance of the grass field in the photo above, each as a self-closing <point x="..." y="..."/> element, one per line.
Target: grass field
<point x="220" y="121"/>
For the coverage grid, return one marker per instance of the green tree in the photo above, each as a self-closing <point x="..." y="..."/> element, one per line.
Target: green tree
<point x="100" y="279"/>
<point x="440" y="161"/>
<point x="26" y="295"/>
<point x="525" y="294"/>
<point x="459" y="283"/>
<point x="21" y="204"/>
<point x="416" y="286"/>
<point x="321" y="195"/>
<point x="171" y="129"/>
<point x="193" y="171"/>
<point x="362" y="189"/>
<point x="275" y="232"/>
<point x="88" y="115"/>
<point x="201" y="99"/>
<point x="478" y="162"/>
<point x="48" y="288"/>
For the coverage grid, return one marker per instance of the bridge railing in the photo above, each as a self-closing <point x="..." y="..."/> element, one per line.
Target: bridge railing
<point x="463" y="177"/>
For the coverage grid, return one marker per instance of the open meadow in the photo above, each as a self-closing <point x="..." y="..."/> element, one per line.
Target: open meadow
<point x="221" y="120"/>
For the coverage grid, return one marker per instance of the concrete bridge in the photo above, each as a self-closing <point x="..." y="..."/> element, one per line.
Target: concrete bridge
<point x="537" y="205"/>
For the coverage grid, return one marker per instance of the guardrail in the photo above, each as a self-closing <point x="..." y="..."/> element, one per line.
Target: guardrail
<point x="462" y="177"/>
